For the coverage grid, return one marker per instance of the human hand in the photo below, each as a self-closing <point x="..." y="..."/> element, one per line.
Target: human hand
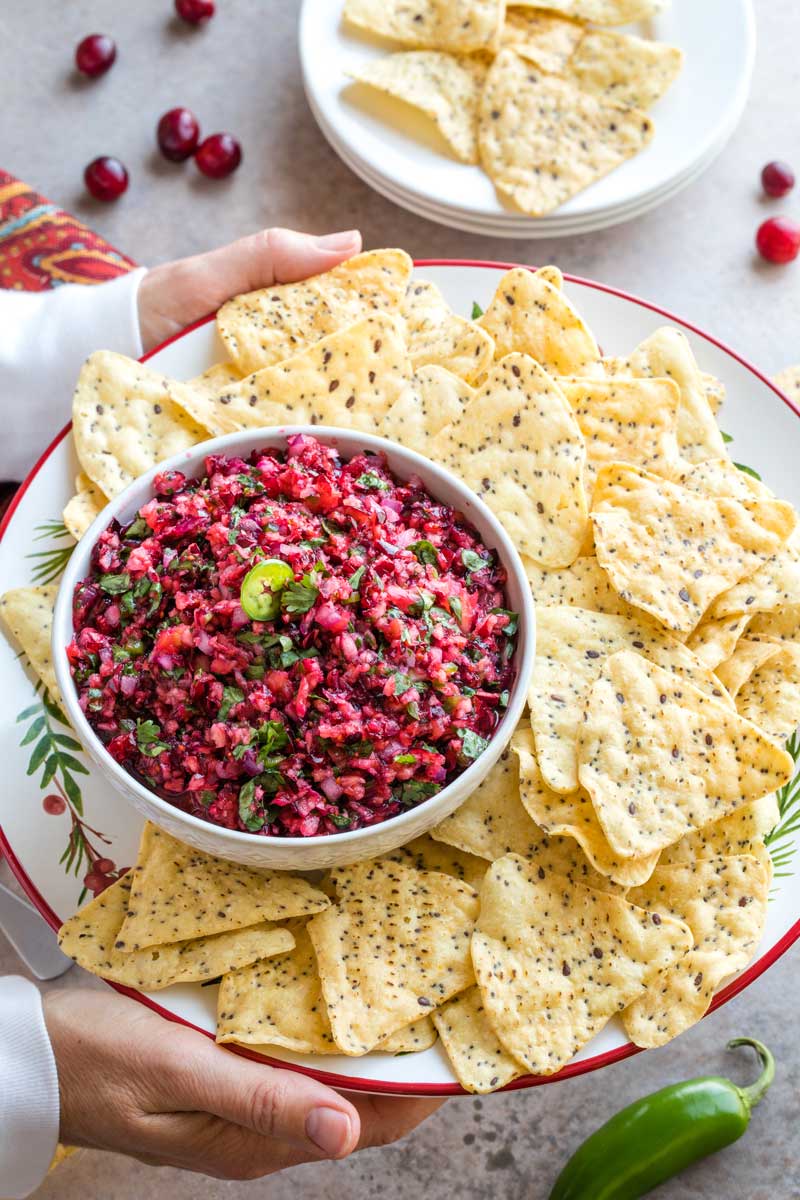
<point x="175" y="294"/>
<point x="134" y="1083"/>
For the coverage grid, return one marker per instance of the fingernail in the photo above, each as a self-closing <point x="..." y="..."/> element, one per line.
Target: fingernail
<point x="329" y="1129"/>
<point x="336" y="241"/>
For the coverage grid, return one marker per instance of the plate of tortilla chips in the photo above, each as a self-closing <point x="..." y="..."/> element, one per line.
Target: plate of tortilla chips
<point x="523" y="120"/>
<point x="630" y="862"/>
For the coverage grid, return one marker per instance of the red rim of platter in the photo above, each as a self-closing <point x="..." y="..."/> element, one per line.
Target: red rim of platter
<point x="388" y="1087"/>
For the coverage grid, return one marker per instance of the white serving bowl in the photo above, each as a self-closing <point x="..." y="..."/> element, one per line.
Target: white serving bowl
<point x="303" y="854"/>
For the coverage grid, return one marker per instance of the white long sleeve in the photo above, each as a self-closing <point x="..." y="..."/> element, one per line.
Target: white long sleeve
<point x="44" y="338"/>
<point x="29" y="1109"/>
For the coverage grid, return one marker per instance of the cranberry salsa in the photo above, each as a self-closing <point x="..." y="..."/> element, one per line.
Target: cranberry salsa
<point x="378" y="673"/>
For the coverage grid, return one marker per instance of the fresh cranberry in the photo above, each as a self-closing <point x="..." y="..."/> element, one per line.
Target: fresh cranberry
<point x="53" y="805"/>
<point x="178" y="134"/>
<point x="95" y="54"/>
<point x="778" y="239"/>
<point x="106" y="178"/>
<point x="218" y="155"/>
<point x="777" y="178"/>
<point x="194" y="11"/>
<point x="104" y="865"/>
<point x="95" y="882"/>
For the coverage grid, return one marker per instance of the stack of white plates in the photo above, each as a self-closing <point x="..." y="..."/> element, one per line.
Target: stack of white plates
<point x="398" y="153"/>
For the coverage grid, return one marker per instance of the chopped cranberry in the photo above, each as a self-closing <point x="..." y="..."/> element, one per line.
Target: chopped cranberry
<point x="218" y="155"/>
<point x="178" y="134"/>
<point x="778" y="239"/>
<point x="195" y="12"/>
<point x="106" y="178"/>
<point x="95" y="54"/>
<point x="777" y="178"/>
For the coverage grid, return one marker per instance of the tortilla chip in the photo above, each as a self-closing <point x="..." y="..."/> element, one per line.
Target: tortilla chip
<point x="583" y="584"/>
<point x="425" y="854"/>
<point x="216" y="379"/>
<point x="625" y="420"/>
<point x="396" y="944"/>
<point x="715" y="391"/>
<point x="623" y="69"/>
<point x="178" y="892"/>
<point x="555" y="960"/>
<point x="543" y="38"/>
<point x="518" y="446"/>
<point x="724" y="903"/>
<point x="571" y="646"/>
<point x="788" y="381"/>
<point x="719" y="477"/>
<point x="447" y="89"/>
<point x="265" y="327"/>
<point x="660" y="758"/>
<point x="542" y="140"/>
<point x="667" y="353"/>
<point x="277" y="1002"/>
<point x="775" y="585"/>
<point x="601" y="12"/>
<point x="87" y="504"/>
<point x="419" y="1035"/>
<point x="434" y="334"/>
<point x="90" y="938"/>
<point x="770" y="698"/>
<point x="782" y="624"/>
<point x="746" y="658"/>
<point x="670" y="551"/>
<point x="433" y="400"/>
<point x="529" y="315"/>
<point x="126" y="419"/>
<point x="740" y="833"/>
<point x="573" y="816"/>
<point x="475" y="1052"/>
<point x="459" y="25"/>
<point x="714" y="641"/>
<point x="350" y="378"/>
<point x="28" y="613"/>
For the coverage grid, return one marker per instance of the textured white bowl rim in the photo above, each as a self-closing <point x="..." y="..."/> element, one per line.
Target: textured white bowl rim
<point x="408" y="462"/>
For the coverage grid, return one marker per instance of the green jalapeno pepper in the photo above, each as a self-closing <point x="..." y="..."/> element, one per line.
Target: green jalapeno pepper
<point x="261" y="588"/>
<point x="656" y="1137"/>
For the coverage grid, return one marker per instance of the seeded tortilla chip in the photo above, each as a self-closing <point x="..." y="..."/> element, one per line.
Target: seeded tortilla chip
<point x="125" y="420"/>
<point x="542" y="140"/>
<point x="775" y="585"/>
<point x="724" y="903"/>
<point x="625" y="420"/>
<point x="571" y="646"/>
<point x="667" y="353"/>
<point x="475" y="1052"/>
<point x="782" y="624"/>
<point x="265" y="327"/>
<point x="459" y="25"/>
<point x="493" y="821"/>
<point x="90" y="938"/>
<point x="623" y="69"/>
<point x="719" y="477"/>
<point x="601" y="12"/>
<point x="396" y="945"/>
<point x="178" y="892"/>
<point x="27" y="612"/>
<point x="529" y="315"/>
<point x="350" y="379"/>
<point x="660" y="758"/>
<point x="543" y="38"/>
<point x="433" y="400"/>
<point x="555" y="960"/>
<point x="216" y="378"/>
<point x="715" y="641"/>
<point x="746" y="658"/>
<point x="715" y="391"/>
<point x="419" y="1035"/>
<point x="573" y="816"/>
<point x="770" y="697"/>
<point x="87" y="503"/>
<point x="447" y="89"/>
<point x="670" y="551"/>
<point x="437" y="336"/>
<point x="740" y="833"/>
<point x="425" y="854"/>
<point x="583" y="584"/>
<point x="518" y="446"/>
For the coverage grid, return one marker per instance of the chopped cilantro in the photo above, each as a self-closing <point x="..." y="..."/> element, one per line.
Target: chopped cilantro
<point x="472" y="561"/>
<point x="405" y="758"/>
<point x="299" y="597"/>
<point x="425" y="552"/>
<point x="456" y="609"/>
<point x="402" y="683"/>
<point x="249" y="815"/>
<point x="477" y="311"/>
<point x="230" y="696"/>
<point x="726" y="437"/>
<point x="472" y="744"/>
<point x="138" y="529"/>
<point x="114" y="585"/>
<point x="372" y="481"/>
<point x="510" y="628"/>
<point x="354" y="582"/>
<point x="148" y="736"/>
<point x="415" y="790"/>
<point x="340" y="820"/>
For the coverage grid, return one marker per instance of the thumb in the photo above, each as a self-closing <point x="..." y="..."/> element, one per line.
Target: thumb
<point x="175" y="294"/>
<point x="273" y="1103"/>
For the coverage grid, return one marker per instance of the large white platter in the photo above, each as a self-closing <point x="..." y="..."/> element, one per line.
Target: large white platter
<point x="765" y="429"/>
<point x="387" y="143"/>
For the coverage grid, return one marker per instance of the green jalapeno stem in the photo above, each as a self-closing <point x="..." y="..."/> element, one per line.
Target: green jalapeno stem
<point x="756" y="1091"/>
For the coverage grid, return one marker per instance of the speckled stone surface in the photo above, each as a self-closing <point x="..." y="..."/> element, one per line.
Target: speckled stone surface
<point x="693" y="255"/>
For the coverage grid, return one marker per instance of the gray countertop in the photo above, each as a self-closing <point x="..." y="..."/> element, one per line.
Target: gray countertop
<point x="693" y="255"/>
